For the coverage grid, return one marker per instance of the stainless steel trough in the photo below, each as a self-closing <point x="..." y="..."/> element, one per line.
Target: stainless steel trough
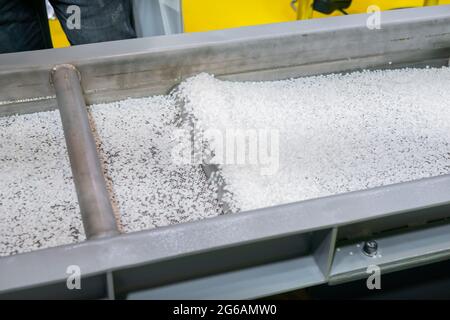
<point x="256" y="253"/>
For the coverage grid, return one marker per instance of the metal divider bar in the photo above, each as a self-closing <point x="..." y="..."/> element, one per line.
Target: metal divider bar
<point x="96" y="209"/>
<point x="324" y="244"/>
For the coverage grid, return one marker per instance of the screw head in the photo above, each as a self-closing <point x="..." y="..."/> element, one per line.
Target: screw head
<point x="370" y="248"/>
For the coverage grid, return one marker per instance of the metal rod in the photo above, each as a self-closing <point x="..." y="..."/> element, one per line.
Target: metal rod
<point x="305" y="9"/>
<point x="431" y="3"/>
<point x="96" y="209"/>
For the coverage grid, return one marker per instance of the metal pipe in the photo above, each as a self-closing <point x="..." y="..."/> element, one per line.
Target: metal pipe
<point x="96" y="209"/>
<point x="431" y="3"/>
<point x="304" y="9"/>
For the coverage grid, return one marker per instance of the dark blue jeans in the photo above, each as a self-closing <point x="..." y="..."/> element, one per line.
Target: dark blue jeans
<point x="24" y="24"/>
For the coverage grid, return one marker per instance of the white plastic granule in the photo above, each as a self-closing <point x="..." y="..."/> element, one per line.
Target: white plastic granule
<point x="149" y="189"/>
<point x="38" y="202"/>
<point x="337" y="133"/>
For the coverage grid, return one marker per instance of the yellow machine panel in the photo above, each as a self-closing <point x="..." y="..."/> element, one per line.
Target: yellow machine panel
<point x="204" y="15"/>
<point x="59" y="38"/>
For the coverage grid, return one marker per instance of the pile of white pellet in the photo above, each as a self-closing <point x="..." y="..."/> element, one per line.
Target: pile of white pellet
<point x="38" y="203"/>
<point x="337" y="133"/>
<point x="136" y="138"/>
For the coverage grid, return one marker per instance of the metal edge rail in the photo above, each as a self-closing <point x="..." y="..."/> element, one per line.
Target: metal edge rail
<point x="93" y="198"/>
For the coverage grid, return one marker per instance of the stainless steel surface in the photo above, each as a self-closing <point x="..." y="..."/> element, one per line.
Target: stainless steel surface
<point x="95" y="206"/>
<point x="244" y="246"/>
<point x="255" y="282"/>
<point x="396" y="251"/>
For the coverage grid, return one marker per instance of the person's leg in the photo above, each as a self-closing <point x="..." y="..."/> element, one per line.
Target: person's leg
<point x="23" y="26"/>
<point x="100" y="20"/>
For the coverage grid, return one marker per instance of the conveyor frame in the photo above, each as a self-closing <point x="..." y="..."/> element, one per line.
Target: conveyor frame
<point x="251" y="254"/>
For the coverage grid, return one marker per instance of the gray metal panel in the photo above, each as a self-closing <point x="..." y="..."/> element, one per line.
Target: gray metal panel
<point x="248" y="283"/>
<point x="396" y="252"/>
<point x="157" y="17"/>
<point x="147" y="18"/>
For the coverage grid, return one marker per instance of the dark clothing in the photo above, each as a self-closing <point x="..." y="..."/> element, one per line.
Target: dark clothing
<point x="24" y="24"/>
